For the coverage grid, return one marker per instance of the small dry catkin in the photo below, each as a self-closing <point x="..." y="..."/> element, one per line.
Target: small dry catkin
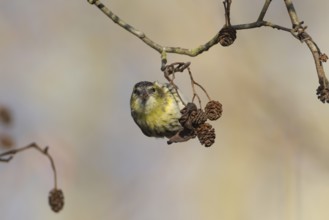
<point x="206" y="134"/>
<point x="213" y="110"/>
<point x="56" y="199"/>
<point x="227" y="36"/>
<point x="5" y="116"/>
<point x="323" y="94"/>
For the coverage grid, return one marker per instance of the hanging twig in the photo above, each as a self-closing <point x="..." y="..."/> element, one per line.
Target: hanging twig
<point x="169" y="73"/>
<point x="56" y="196"/>
<point x="9" y="155"/>
<point x="195" y="94"/>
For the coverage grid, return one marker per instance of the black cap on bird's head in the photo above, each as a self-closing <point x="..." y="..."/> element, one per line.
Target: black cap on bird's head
<point x="143" y="84"/>
<point x="144" y="89"/>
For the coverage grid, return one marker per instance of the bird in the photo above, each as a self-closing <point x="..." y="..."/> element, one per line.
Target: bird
<point x="155" y="108"/>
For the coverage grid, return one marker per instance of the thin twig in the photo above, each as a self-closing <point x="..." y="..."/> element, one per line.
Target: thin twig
<point x="227" y="7"/>
<point x="264" y="10"/>
<point x="170" y="70"/>
<point x="299" y="32"/>
<point x="163" y="59"/>
<point x="9" y="155"/>
<point x="258" y="24"/>
<point x="193" y="82"/>
<point x="292" y="12"/>
<point x="169" y="73"/>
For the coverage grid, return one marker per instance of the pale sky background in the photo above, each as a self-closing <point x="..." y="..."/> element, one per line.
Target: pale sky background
<point x="67" y="71"/>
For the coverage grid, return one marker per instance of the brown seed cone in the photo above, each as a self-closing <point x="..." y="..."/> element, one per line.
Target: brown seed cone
<point x="192" y="117"/>
<point x="181" y="136"/>
<point x="185" y="120"/>
<point x="323" y="94"/>
<point x="6" y="141"/>
<point x="5" y="115"/>
<point x="227" y="36"/>
<point x="198" y="117"/>
<point x="213" y="110"/>
<point x="56" y="199"/>
<point x="188" y="108"/>
<point x="206" y="134"/>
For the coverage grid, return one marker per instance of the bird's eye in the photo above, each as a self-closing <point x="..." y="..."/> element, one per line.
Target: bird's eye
<point x="151" y="90"/>
<point x="137" y="92"/>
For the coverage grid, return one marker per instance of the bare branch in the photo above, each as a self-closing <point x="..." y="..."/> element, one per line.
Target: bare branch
<point x="195" y="94"/>
<point x="126" y="26"/>
<point x="177" y="50"/>
<point x="292" y="12"/>
<point x="227" y="7"/>
<point x="259" y="24"/>
<point x="9" y="155"/>
<point x="297" y="30"/>
<point x="264" y="10"/>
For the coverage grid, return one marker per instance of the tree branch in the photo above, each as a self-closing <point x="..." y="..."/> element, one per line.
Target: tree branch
<point x="297" y="30"/>
<point x="258" y="24"/>
<point x="9" y="155"/>
<point x="292" y="12"/>
<point x="264" y="10"/>
<point x="179" y="50"/>
<point x="227" y="7"/>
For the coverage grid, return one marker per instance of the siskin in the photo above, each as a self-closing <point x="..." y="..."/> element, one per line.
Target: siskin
<point x="155" y="108"/>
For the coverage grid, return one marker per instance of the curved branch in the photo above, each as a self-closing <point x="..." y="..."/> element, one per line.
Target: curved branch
<point x="179" y="50"/>
<point x="9" y="155"/>
<point x="297" y="30"/>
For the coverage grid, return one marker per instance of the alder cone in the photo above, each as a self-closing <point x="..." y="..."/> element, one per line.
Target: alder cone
<point x="227" y="36"/>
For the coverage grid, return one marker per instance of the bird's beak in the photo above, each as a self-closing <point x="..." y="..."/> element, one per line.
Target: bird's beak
<point x="144" y="95"/>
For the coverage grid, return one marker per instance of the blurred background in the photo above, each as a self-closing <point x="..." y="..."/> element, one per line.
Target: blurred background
<point x="66" y="74"/>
